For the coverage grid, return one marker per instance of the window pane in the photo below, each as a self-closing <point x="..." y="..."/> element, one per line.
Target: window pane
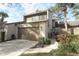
<point x="35" y="18"/>
<point x="29" y="19"/>
<point x="43" y="17"/>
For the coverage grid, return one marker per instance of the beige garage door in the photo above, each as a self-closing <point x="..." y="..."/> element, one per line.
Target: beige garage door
<point x="28" y="33"/>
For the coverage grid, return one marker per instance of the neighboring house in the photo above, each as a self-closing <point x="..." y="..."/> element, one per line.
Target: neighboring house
<point x="3" y="31"/>
<point x="73" y="27"/>
<point x="12" y="30"/>
<point x="8" y="31"/>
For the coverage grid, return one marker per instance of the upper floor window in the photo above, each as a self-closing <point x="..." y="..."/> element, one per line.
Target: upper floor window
<point x="29" y="19"/>
<point x="35" y="18"/>
<point x="42" y="17"/>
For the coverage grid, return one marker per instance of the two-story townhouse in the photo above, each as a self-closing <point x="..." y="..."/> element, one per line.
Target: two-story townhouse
<point x="36" y="25"/>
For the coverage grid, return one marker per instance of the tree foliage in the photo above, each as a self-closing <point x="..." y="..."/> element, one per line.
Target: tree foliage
<point x="60" y="10"/>
<point x="3" y="15"/>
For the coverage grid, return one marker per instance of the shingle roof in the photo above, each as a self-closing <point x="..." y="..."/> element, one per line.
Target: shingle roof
<point x="73" y="23"/>
<point x="36" y="13"/>
<point x="70" y="23"/>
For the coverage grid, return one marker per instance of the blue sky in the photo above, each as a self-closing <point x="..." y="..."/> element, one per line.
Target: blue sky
<point x="17" y="10"/>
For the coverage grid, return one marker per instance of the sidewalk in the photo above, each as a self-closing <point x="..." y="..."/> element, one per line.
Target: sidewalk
<point x="42" y="50"/>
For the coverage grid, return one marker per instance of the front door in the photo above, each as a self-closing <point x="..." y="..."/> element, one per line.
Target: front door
<point x="2" y="36"/>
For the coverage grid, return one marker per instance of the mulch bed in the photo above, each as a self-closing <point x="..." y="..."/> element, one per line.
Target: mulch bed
<point x="39" y="45"/>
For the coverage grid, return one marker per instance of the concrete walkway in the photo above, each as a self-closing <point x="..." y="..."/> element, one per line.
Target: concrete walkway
<point x="42" y="50"/>
<point x="15" y="47"/>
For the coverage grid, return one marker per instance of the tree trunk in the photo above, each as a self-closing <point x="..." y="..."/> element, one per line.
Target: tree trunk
<point x="65" y="23"/>
<point x="65" y="20"/>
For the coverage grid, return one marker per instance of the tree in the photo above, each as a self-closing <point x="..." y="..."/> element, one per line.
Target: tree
<point x="62" y="8"/>
<point x="76" y="11"/>
<point x="3" y="15"/>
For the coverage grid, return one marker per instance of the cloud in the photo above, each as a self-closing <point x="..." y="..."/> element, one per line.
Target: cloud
<point x="32" y="7"/>
<point x="28" y="7"/>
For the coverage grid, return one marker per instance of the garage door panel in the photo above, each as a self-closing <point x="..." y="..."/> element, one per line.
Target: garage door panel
<point x="28" y="33"/>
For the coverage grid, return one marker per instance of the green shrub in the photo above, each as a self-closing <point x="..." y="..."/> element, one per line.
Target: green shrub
<point x="50" y="35"/>
<point x="74" y="44"/>
<point x="60" y="52"/>
<point x="68" y="44"/>
<point x="45" y="41"/>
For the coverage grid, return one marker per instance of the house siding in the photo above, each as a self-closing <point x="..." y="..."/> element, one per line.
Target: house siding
<point x="43" y="29"/>
<point x="75" y="30"/>
<point x="11" y="29"/>
<point x="34" y="32"/>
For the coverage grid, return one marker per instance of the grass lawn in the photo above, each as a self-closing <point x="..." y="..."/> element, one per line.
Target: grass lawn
<point x="52" y="53"/>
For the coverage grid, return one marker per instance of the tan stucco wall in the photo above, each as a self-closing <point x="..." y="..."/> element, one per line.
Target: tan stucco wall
<point x="43" y="29"/>
<point x="75" y="30"/>
<point x="33" y="33"/>
<point x="49" y="18"/>
<point x="11" y="29"/>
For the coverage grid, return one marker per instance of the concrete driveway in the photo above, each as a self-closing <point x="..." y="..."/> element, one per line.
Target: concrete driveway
<point x="15" y="47"/>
